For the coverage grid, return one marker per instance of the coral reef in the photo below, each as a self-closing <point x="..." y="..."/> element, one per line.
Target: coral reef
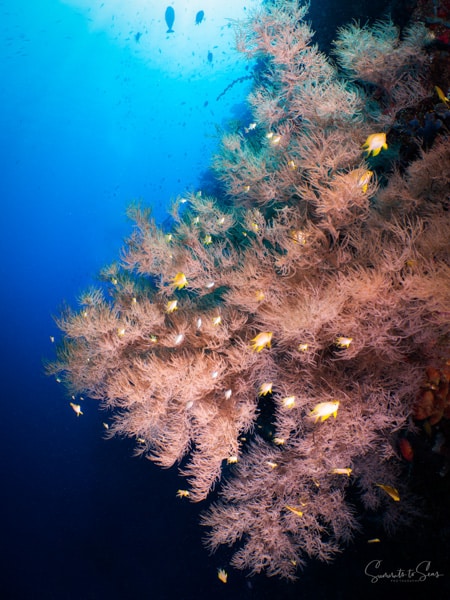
<point x="275" y="340"/>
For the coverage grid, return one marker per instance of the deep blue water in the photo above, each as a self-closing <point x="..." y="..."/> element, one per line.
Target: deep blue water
<point x="86" y="126"/>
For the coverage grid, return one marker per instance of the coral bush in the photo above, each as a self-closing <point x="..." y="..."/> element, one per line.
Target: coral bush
<point x="282" y="330"/>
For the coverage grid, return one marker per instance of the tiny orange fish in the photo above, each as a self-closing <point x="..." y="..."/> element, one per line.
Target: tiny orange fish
<point x="406" y="449"/>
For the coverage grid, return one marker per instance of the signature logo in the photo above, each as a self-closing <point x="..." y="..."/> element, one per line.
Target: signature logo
<point x="420" y="573"/>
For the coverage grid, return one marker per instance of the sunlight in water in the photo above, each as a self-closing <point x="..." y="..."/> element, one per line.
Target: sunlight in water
<point x="201" y="43"/>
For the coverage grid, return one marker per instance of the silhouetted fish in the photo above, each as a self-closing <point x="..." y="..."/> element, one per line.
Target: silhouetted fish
<point x="199" y="17"/>
<point x="170" y="18"/>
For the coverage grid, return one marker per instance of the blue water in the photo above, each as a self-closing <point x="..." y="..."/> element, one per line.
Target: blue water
<point x="86" y="126"/>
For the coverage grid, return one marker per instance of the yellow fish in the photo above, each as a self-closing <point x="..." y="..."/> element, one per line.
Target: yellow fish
<point x="279" y="441"/>
<point x="179" y="281"/>
<point x="288" y="402"/>
<point x="375" y="143"/>
<point x="171" y="306"/>
<point x="343" y="342"/>
<point x="265" y="388"/>
<point x="222" y="575"/>
<point x="262" y="340"/>
<point x="364" y="180"/>
<point x="294" y="510"/>
<point x="390" y="491"/>
<point x="441" y="95"/>
<point x="76" y="409"/>
<point x="182" y="494"/>
<point x="344" y="471"/>
<point x="323" y="410"/>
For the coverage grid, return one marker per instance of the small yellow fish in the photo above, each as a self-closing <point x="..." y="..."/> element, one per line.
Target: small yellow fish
<point x="272" y="464"/>
<point x="441" y="95"/>
<point x="262" y="340"/>
<point x="288" y="402"/>
<point x="259" y="295"/>
<point x="374" y="541"/>
<point x="217" y="320"/>
<point x="375" y="143"/>
<point x="222" y="575"/>
<point x="390" y="491"/>
<point x="105" y="426"/>
<point x="179" y="281"/>
<point x="207" y="240"/>
<point x="265" y="388"/>
<point x="323" y="410"/>
<point x="232" y="460"/>
<point x="182" y="494"/>
<point x="76" y="409"/>
<point x="364" y="180"/>
<point x="343" y="342"/>
<point x="298" y="236"/>
<point x="279" y="441"/>
<point x="294" y="510"/>
<point x="171" y="306"/>
<point x="344" y="471"/>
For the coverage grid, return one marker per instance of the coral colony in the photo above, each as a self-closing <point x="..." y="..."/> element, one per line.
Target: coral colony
<point x="276" y="340"/>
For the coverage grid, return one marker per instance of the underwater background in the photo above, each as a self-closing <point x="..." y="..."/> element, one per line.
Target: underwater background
<point x="100" y="106"/>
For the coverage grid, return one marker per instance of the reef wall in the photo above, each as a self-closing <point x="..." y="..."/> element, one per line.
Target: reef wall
<point x="276" y="337"/>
